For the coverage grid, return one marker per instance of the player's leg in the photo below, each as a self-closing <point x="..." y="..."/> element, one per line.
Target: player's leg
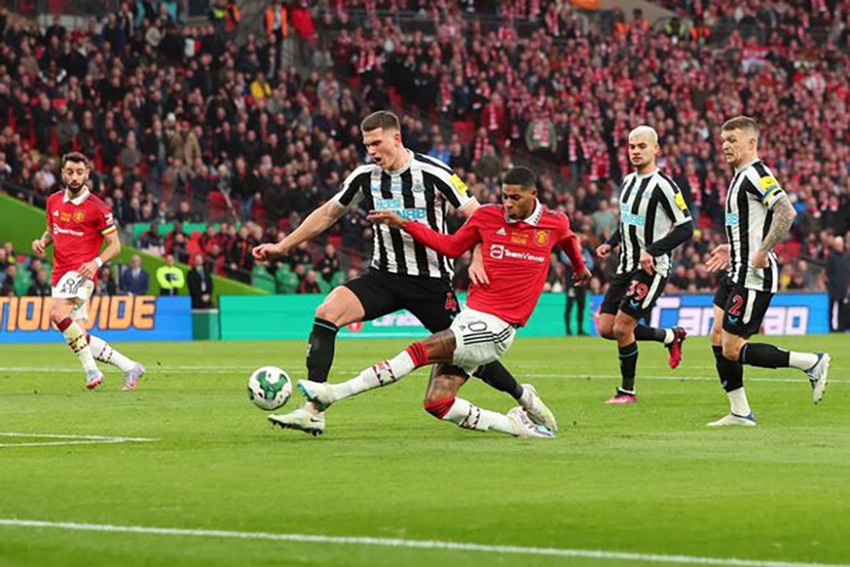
<point x="624" y="333"/>
<point x="731" y="372"/>
<point x="581" y="301"/>
<point x="436" y="306"/>
<point x="568" y="313"/>
<point x="439" y="347"/>
<point x="745" y="313"/>
<point x="75" y="336"/>
<point x="442" y="402"/>
<point x="610" y="305"/>
<point x="104" y="352"/>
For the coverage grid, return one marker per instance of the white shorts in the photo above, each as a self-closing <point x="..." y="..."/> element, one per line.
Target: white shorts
<point x="78" y="289"/>
<point x="480" y="339"/>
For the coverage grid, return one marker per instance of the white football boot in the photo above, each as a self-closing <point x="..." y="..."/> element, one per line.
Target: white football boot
<point x="819" y="376"/>
<point x="320" y="393"/>
<point x="536" y="409"/>
<point x="131" y="377"/>
<point x="732" y="419"/>
<point x="94" y="378"/>
<point x="524" y="427"/>
<point x="305" y="419"/>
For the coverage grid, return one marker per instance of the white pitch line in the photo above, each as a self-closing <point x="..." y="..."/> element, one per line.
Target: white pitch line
<point x="68" y="439"/>
<point x="344" y="371"/>
<point x="412" y="544"/>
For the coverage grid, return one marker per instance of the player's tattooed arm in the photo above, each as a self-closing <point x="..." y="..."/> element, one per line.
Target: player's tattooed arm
<point x="783" y="217"/>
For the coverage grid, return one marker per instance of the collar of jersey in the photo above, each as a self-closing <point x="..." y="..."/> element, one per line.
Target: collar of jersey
<point x="746" y="165"/>
<point x="531" y="219"/>
<point x="645" y="175"/>
<point x="79" y="198"/>
<point x="406" y="165"/>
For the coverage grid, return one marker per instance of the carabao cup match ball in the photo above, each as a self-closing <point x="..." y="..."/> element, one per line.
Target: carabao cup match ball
<point x="269" y="387"/>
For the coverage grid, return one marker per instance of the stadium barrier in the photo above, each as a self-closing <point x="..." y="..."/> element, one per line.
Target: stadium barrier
<point x="113" y="318"/>
<point x="280" y="317"/>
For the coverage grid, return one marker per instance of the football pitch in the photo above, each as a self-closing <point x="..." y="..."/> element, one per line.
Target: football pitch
<point x="186" y="471"/>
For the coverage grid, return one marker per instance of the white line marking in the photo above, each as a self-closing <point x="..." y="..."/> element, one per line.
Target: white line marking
<point x="412" y="544"/>
<point x="68" y="439"/>
<point x="344" y="371"/>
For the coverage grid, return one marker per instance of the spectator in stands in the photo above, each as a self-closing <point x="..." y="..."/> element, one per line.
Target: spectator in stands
<point x="105" y="284"/>
<point x="135" y="280"/>
<point x="8" y="286"/>
<point x="200" y="284"/>
<point x="170" y="278"/>
<point x="329" y="265"/>
<point x="40" y="286"/>
<point x="838" y="277"/>
<point x="310" y="283"/>
<point x="151" y="240"/>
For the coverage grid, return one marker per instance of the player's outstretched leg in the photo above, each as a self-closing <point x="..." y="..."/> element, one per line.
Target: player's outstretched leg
<point x="104" y="352"/>
<point x="731" y="375"/>
<point x="75" y="336"/>
<point x="814" y="364"/>
<point x="670" y="338"/>
<point x="442" y="403"/>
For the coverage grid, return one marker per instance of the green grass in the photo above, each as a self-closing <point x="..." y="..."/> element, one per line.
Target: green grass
<point x="648" y="479"/>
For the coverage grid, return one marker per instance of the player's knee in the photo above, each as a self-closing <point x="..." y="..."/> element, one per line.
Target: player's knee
<point x="606" y="329"/>
<point x="57" y="314"/>
<point x="731" y="351"/>
<point x="716" y="336"/>
<point x="329" y="311"/>
<point x="439" y="408"/>
<point x="622" y="330"/>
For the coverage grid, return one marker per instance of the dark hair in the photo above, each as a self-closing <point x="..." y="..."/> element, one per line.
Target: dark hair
<point x="741" y="123"/>
<point x="521" y="176"/>
<point x="380" y="119"/>
<point x="75" y="157"/>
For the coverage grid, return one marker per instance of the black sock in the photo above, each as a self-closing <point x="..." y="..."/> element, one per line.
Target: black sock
<point x="764" y="355"/>
<point x="731" y="373"/>
<point x="628" y="363"/>
<point x="644" y="333"/>
<point x="320" y="350"/>
<point x="496" y="375"/>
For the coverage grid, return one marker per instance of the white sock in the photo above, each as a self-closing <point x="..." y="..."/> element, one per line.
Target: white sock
<point x="802" y="360"/>
<point x="738" y="402"/>
<point x="75" y="336"/>
<point x="669" y="336"/>
<point x="104" y="352"/>
<point x="382" y="374"/>
<point x="469" y="416"/>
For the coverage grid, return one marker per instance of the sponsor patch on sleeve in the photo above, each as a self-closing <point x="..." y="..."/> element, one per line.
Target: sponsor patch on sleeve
<point x="459" y="184"/>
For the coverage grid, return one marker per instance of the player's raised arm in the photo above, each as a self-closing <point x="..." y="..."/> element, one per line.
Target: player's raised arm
<point x="451" y="245"/>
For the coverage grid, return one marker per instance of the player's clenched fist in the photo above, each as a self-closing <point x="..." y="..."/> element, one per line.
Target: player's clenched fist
<point x="38" y="246"/>
<point x="581" y="277"/>
<point x="603" y="250"/>
<point x="266" y="251"/>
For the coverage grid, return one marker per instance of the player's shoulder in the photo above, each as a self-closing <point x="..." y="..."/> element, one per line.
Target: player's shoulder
<point x="55" y="198"/>
<point x="95" y="202"/>
<point x="365" y="169"/>
<point x="553" y="216"/>
<point x="490" y="210"/>
<point x="665" y="181"/>
<point x="431" y="164"/>
<point x="760" y="170"/>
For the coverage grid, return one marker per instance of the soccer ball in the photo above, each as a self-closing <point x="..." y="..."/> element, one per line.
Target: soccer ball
<point x="269" y="387"/>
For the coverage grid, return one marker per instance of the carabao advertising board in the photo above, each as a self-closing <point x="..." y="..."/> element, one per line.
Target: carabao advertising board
<point x="280" y="317"/>
<point x="113" y="318"/>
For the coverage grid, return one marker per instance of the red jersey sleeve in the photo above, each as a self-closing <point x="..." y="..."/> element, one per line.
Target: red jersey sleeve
<point x="105" y="221"/>
<point x="568" y="242"/>
<point x="50" y="216"/>
<point x="451" y="245"/>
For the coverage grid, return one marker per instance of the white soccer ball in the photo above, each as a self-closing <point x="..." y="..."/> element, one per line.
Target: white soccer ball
<point x="269" y="387"/>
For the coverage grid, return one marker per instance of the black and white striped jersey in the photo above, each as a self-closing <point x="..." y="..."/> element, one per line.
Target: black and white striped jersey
<point x="421" y="192"/>
<point x="650" y="206"/>
<point x="749" y="203"/>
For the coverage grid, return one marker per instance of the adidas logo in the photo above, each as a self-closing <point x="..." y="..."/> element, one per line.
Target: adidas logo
<point x="55" y="213"/>
<point x="501" y="232"/>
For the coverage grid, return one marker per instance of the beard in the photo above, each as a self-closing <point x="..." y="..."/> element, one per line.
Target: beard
<point x="75" y="188"/>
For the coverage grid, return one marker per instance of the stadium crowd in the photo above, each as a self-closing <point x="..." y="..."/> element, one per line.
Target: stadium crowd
<point x="186" y="125"/>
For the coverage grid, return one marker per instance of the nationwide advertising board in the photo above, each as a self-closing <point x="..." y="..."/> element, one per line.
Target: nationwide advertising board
<point x="113" y="318"/>
<point x="291" y="317"/>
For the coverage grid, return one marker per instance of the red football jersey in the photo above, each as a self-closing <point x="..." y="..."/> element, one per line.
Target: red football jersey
<point x="516" y="256"/>
<point x="78" y="227"/>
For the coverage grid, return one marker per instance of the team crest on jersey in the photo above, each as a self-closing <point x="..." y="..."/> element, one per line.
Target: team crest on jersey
<point x="519" y="237"/>
<point x="541" y="237"/>
<point x="79" y="216"/>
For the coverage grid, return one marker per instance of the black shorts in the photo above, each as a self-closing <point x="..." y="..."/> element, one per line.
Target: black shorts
<point x="430" y="300"/>
<point x="743" y="309"/>
<point x="634" y="294"/>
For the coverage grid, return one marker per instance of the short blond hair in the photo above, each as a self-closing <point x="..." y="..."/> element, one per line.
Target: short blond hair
<point x="744" y="123"/>
<point x="647" y="131"/>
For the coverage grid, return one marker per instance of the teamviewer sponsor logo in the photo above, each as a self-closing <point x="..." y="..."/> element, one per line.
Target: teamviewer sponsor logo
<point x="499" y="252"/>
